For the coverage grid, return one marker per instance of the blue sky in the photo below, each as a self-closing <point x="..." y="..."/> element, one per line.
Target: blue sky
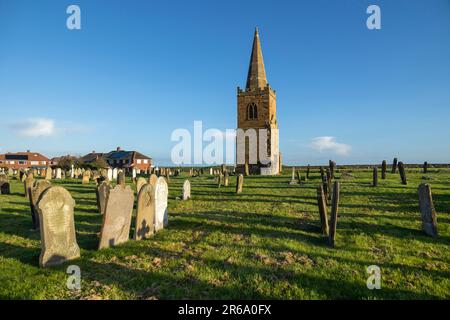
<point x="137" y="70"/>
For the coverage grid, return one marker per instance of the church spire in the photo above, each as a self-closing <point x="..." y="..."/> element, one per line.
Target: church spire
<point x="256" y="77"/>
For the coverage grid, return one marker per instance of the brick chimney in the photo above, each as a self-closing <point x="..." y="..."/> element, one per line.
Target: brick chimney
<point x="119" y="149"/>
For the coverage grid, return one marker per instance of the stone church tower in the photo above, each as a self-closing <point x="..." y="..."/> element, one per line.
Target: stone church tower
<point x="256" y="113"/>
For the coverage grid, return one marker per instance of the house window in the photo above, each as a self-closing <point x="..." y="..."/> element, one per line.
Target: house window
<point x="43" y="162"/>
<point x="34" y="163"/>
<point x="145" y="161"/>
<point x="138" y="161"/>
<point x="11" y="162"/>
<point x="252" y="111"/>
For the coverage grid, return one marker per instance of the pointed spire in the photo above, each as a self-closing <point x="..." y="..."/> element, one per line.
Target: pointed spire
<point x="256" y="77"/>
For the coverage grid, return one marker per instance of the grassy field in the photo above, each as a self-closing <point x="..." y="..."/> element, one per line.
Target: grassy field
<point x="263" y="244"/>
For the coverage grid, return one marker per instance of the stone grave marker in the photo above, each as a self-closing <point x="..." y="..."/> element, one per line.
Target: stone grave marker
<point x="117" y="217"/>
<point x="57" y="227"/>
<point x="375" y="177"/>
<point x="58" y="174"/>
<point x="121" y="178"/>
<point x="160" y="195"/>
<point x="239" y="183"/>
<point x="139" y="184"/>
<point x="226" y="178"/>
<point x="425" y="167"/>
<point x="322" y="202"/>
<point x="334" y="213"/>
<point x="186" y="190"/>
<point x="102" y="192"/>
<point x="401" y="170"/>
<point x="36" y="191"/>
<point x="152" y="180"/>
<point x="27" y="184"/>
<point x="427" y="210"/>
<point x="293" y="177"/>
<point x="394" y="165"/>
<point x="145" y="213"/>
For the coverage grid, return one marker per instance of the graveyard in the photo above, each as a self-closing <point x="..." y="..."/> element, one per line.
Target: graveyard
<point x="264" y="242"/>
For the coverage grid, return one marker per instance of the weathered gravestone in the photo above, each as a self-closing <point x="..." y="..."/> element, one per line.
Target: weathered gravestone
<point x="401" y="170"/>
<point x="36" y="191"/>
<point x="160" y="194"/>
<point x="383" y="169"/>
<point x="186" y="190"/>
<point x="247" y="170"/>
<point x="140" y="183"/>
<point x="394" y="165"/>
<point x="4" y="184"/>
<point x="427" y="210"/>
<point x="48" y="174"/>
<point x="293" y="177"/>
<point x="322" y="202"/>
<point x="110" y="174"/>
<point x="121" y="178"/>
<point x="307" y="173"/>
<point x="58" y="241"/>
<point x="239" y="183"/>
<point x="117" y="217"/>
<point x="58" y="174"/>
<point x="27" y="184"/>
<point x="334" y="213"/>
<point x="152" y="180"/>
<point x="86" y="177"/>
<point x="375" y="177"/>
<point x="226" y="178"/>
<point x="102" y="193"/>
<point x="145" y="214"/>
<point x="332" y="166"/>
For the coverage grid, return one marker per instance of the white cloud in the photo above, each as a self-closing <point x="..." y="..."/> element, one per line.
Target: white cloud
<point x="329" y="144"/>
<point x="34" y="127"/>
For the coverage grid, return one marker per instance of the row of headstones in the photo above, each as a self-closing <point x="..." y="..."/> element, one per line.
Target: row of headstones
<point x="52" y="210"/>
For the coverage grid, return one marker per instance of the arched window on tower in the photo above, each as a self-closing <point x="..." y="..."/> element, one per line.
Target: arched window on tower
<point x="252" y="111"/>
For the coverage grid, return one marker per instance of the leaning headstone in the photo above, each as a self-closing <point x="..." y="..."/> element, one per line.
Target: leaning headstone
<point x="139" y="184"/>
<point x="27" y="184"/>
<point x="145" y="214"/>
<point x="58" y="241"/>
<point x="322" y="202"/>
<point x="427" y="210"/>
<point x="334" y="213"/>
<point x="383" y="169"/>
<point x="102" y="193"/>
<point x="375" y="177"/>
<point x="401" y="170"/>
<point x="36" y="191"/>
<point x="299" y="177"/>
<point x="394" y="165"/>
<point x="186" y="190"/>
<point x="160" y="194"/>
<point x="121" y="178"/>
<point x="117" y="217"/>
<point x="239" y="183"/>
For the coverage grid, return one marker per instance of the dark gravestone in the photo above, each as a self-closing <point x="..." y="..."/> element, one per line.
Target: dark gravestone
<point x="394" y="165"/>
<point x="383" y="169"/>
<point x="35" y="193"/>
<point x="332" y="166"/>
<point x="401" y="170"/>
<point x="375" y="177"/>
<point x="145" y="214"/>
<point x="121" y="179"/>
<point x="239" y="183"/>
<point x="334" y="213"/>
<point x="322" y="173"/>
<point x="307" y="173"/>
<point x="102" y="192"/>
<point x="299" y="177"/>
<point x="428" y="213"/>
<point x="5" y="188"/>
<point x="329" y="182"/>
<point x="322" y="210"/>
<point x="425" y="167"/>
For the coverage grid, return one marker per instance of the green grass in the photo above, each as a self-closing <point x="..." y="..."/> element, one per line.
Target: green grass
<point x="262" y="244"/>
